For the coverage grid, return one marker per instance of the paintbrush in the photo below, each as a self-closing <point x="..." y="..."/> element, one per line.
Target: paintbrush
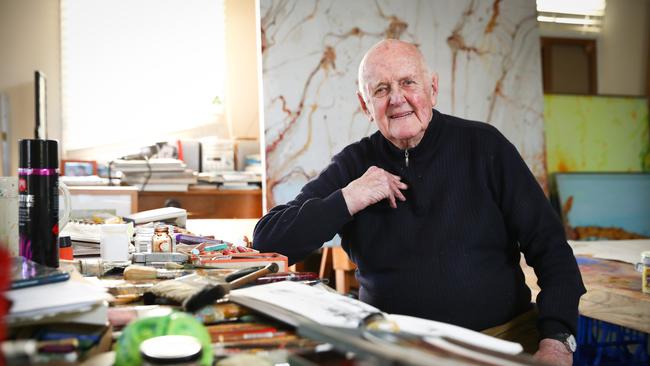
<point x="210" y="294"/>
<point x="138" y="272"/>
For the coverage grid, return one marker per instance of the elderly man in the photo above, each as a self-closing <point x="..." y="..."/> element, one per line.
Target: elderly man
<point x="435" y="211"/>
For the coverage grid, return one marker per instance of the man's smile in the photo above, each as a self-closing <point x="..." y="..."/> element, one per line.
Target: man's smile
<point x="401" y="115"/>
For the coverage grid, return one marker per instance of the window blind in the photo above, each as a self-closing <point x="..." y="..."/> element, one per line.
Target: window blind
<point x="137" y="68"/>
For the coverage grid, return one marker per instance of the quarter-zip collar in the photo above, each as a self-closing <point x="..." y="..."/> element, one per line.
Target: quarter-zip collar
<point x="426" y="147"/>
<point x="411" y="164"/>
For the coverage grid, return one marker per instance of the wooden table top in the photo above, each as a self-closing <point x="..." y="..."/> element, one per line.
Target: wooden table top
<point x="613" y="292"/>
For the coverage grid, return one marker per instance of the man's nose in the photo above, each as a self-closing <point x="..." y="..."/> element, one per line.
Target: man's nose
<point x="397" y="96"/>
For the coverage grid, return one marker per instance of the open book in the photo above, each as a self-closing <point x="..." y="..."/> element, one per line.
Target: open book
<point x="296" y="304"/>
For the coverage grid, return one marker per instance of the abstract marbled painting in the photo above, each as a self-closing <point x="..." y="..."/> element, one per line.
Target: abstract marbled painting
<point x="485" y="52"/>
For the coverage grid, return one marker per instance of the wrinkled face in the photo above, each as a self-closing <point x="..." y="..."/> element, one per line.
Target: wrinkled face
<point x="397" y="92"/>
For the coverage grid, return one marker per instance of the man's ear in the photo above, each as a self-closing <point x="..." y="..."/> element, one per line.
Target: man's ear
<point x="364" y="107"/>
<point x="434" y="88"/>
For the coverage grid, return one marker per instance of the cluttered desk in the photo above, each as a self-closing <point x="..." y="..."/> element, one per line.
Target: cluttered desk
<point x="199" y="294"/>
<point x="153" y="287"/>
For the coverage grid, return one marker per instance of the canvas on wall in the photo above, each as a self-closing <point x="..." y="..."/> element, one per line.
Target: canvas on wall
<point x="486" y="54"/>
<point x="596" y="134"/>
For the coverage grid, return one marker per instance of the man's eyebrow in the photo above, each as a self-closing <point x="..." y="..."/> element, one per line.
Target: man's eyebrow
<point x="381" y="83"/>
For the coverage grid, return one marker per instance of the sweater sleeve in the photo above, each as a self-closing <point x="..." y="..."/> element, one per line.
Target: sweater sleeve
<point x="539" y="231"/>
<point x="302" y="225"/>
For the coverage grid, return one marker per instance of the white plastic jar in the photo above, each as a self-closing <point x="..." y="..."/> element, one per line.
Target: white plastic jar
<point x="114" y="242"/>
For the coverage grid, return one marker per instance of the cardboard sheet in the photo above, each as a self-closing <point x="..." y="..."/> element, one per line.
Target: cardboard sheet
<point x="628" y="251"/>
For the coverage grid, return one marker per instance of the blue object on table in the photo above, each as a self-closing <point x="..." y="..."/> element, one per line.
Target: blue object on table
<point x="618" y="200"/>
<point x="191" y="239"/>
<point x="27" y="273"/>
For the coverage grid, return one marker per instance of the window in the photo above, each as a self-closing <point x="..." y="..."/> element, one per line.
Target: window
<point x="135" y="69"/>
<point x="587" y="13"/>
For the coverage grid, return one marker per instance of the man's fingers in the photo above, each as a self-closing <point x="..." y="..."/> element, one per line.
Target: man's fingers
<point x="400" y="195"/>
<point x="382" y="185"/>
<point x="391" y="199"/>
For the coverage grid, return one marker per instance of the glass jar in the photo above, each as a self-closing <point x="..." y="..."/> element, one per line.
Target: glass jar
<point x="143" y="237"/>
<point x="161" y="241"/>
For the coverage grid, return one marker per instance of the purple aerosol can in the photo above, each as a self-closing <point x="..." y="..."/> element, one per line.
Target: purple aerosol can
<point x="38" y="201"/>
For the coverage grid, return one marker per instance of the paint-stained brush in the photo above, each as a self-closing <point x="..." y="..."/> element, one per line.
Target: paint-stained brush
<point x="210" y="294"/>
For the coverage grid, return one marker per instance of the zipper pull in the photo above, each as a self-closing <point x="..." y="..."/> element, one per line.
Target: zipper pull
<point x="406" y="157"/>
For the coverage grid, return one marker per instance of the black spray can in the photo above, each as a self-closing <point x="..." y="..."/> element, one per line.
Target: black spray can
<point x="38" y="201"/>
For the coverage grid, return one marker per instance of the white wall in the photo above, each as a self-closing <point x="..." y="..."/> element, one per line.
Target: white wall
<point x="29" y="40"/>
<point x="241" y="63"/>
<point x="623" y="48"/>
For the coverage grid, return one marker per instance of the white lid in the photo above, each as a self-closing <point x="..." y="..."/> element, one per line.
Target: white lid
<point x="171" y="347"/>
<point x="145" y="230"/>
<point x="645" y="257"/>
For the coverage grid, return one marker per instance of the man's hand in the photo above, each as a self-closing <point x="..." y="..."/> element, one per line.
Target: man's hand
<point x="373" y="186"/>
<point x="553" y="352"/>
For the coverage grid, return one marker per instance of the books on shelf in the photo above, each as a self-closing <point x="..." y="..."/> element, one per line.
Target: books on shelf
<point x="231" y="176"/>
<point x="239" y="186"/>
<point x="90" y="180"/>
<point x="168" y="187"/>
<point x="156" y="175"/>
<point x="186" y="176"/>
<point x="155" y="165"/>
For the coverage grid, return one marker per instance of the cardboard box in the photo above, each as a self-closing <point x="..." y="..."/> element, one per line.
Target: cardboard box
<point x="245" y="260"/>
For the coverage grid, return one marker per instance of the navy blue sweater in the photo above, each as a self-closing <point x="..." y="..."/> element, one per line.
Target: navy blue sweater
<point x="451" y="251"/>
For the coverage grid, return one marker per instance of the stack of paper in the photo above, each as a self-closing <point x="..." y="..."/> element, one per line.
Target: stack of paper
<point x="229" y="179"/>
<point x="156" y="174"/>
<point x="68" y="300"/>
<point x="628" y="251"/>
<point x="85" y="237"/>
<point x="155" y="165"/>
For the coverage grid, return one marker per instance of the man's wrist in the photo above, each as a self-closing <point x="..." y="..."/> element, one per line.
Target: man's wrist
<point x="349" y="200"/>
<point x="567" y="341"/>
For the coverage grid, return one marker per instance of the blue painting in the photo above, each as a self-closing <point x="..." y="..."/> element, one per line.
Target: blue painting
<point x="605" y="205"/>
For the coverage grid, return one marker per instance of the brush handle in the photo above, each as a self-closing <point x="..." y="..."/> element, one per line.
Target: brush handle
<point x="210" y="294"/>
<point x="242" y="272"/>
<point x="250" y="278"/>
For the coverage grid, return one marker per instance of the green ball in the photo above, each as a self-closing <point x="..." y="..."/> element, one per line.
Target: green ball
<point x="127" y="348"/>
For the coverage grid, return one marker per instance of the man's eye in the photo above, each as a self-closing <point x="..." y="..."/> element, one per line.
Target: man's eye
<point x="380" y="92"/>
<point x="408" y="82"/>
